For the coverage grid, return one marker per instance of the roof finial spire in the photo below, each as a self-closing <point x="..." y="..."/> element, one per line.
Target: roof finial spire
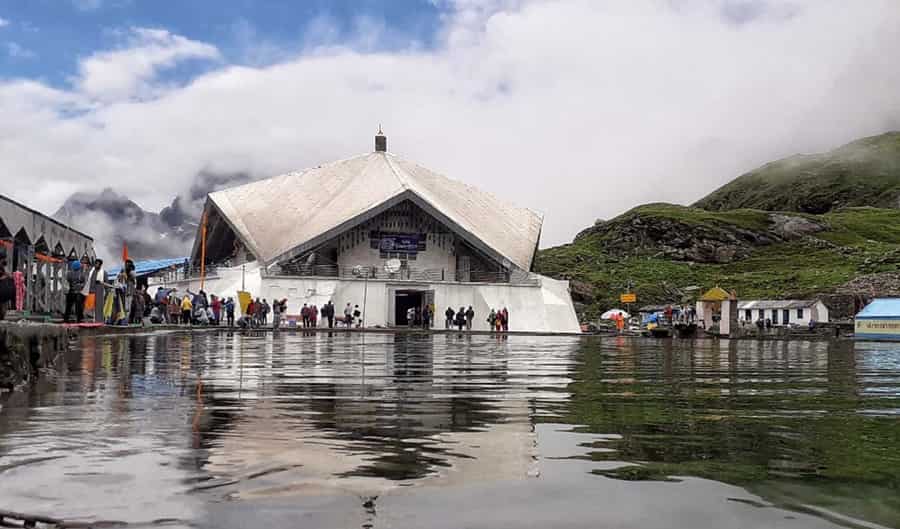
<point x="380" y="140"/>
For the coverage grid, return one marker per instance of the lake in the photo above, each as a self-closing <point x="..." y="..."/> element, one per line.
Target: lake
<point x="227" y="430"/>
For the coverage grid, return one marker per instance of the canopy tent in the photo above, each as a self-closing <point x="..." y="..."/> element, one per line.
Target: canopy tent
<point x="614" y="314"/>
<point x="145" y="268"/>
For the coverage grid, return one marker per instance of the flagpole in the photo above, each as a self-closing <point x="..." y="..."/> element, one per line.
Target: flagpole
<point x="203" y="250"/>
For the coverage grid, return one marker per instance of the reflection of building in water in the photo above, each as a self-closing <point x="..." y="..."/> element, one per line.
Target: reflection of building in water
<point x="386" y="234"/>
<point x="425" y="408"/>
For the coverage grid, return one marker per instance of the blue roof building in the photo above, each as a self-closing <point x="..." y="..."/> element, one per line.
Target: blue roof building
<point x="879" y="320"/>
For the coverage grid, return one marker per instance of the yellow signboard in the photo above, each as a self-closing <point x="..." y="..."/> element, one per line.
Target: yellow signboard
<point x="628" y="298"/>
<point x="878" y="329"/>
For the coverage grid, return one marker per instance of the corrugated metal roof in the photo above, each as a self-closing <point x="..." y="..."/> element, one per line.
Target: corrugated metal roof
<point x="881" y="308"/>
<point x="776" y="304"/>
<point x="142" y="268"/>
<point x="277" y="216"/>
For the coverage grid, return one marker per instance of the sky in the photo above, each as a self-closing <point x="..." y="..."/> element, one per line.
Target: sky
<point x="578" y="109"/>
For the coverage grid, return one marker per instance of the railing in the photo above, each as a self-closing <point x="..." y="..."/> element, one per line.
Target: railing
<point x="429" y="275"/>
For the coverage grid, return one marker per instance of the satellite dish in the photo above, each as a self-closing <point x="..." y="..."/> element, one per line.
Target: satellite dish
<point x="392" y="266"/>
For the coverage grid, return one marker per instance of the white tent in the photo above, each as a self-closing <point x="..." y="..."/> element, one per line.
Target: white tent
<point x="612" y="314"/>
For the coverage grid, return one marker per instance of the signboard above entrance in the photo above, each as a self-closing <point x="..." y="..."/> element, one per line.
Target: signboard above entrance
<point x="398" y="242"/>
<point x="628" y="298"/>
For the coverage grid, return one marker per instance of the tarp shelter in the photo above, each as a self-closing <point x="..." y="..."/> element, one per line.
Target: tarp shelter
<point x="145" y="268"/>
<point x="879" y="320"/>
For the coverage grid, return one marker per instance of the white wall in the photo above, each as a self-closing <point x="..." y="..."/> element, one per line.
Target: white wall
<point x="544" y="308"/>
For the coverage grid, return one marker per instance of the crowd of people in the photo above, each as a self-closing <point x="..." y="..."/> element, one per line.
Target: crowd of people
<point x="497" y="320"/>
<point x="122" y="301"/>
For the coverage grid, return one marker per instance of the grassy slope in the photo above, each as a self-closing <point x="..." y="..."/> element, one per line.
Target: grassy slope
<point x="863" y="173"/>
<point x="794" y="268"/>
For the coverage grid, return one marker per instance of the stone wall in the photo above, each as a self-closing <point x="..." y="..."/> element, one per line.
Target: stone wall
<point x="25" y="348"/>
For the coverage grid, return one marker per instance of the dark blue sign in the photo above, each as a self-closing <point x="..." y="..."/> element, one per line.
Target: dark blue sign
<point x="400" y="242"/>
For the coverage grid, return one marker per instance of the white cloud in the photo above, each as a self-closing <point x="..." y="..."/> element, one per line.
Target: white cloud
<point x="579" y="109"/>
<point x="3" y="22"/>
<point x="16" y="51"/>
<point x="130" y="72"/>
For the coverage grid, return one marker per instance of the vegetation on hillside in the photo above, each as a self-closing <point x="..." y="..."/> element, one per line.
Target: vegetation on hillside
<point x="750" y="254"/>
<point x="865" y="172"/>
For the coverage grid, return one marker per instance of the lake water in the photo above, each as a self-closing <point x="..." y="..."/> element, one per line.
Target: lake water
<point x="390" y="431"/>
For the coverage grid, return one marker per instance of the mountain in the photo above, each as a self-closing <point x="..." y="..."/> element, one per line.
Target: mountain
<point x="113" y="219"/>
<point x="865" y="172"/>
<point x="666" y="253"/>
<point x="823" y="225"/>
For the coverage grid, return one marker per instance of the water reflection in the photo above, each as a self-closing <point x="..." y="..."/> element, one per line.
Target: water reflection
<point x="192" y="427"/>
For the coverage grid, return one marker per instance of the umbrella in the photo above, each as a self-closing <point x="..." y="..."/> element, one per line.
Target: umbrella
<point x="612" y="314"/>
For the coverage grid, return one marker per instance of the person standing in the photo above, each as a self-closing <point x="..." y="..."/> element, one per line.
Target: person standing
<point x="276" y="314"/>
<point x="348" y="315"/>
<point x="140" y="303"/>
<point x="449" y="315"/>
<point x="357" y="315"/>
<point x="174" y="305"/>
<point x="7" y="285"/>
<point x="328" y="313"/>
<point x="504" y="319"/>
<point x="304" y="315"/>
<point x="426" y="317"/>
<point x="461" y="318"/>
<point x="314" y="316"/>
<point x="229" y="311"/>
<point x="129" y="282"/>
<point x="266" y="308"/>
<point x="217" y="309"/>
<point x="470" y="315"/>
<point x="74" y="297"/>
<point x="187" y="307"/>
<point x="94" y="285"/>
<point x="492" y="320"/>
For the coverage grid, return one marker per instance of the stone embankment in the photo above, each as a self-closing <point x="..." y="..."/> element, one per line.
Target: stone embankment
<point x="26" y="347"/>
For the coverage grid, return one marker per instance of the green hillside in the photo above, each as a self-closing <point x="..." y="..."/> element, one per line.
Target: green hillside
<point x="865" y="172"/>
<point x="663" y="250"/>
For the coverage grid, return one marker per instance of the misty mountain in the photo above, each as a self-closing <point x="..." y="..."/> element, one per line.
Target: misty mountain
<point x="113" y="219"/>
<point x="865" y="172"/>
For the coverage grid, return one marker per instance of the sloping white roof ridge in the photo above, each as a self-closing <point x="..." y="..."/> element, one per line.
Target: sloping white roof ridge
<point x="403" y="178"/>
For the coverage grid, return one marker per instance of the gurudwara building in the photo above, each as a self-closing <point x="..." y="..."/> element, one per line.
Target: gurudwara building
<point x="383" y="233"/>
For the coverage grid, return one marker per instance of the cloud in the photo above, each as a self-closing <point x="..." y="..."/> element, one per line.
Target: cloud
<point x="16" y="51"/>
<point x="3" y="22"/>
<point x="579" y="109"/>
<point x="87" y="5"/>
<point x="129" y="72"/>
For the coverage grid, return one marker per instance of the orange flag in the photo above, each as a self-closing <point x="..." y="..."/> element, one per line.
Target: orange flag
<point x="124" y="251"/>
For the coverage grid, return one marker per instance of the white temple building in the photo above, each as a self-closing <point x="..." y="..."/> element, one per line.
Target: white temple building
<point x="383" y="233"/>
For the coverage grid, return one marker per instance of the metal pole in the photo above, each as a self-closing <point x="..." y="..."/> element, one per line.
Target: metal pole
<point x="203" y="250"/>
<point x="365" y="296"/>
<point x="243" y="271"/>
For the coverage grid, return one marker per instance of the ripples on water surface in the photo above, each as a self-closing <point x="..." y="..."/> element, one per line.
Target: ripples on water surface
<point x="221" y="430"/>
